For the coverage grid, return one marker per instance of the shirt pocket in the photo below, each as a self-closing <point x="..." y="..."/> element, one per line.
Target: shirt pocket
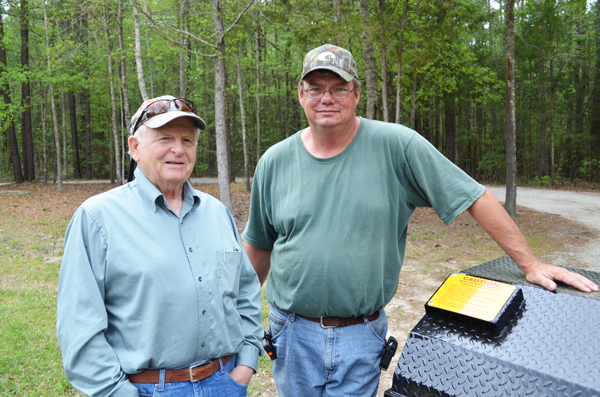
<point x="230" y="268"/>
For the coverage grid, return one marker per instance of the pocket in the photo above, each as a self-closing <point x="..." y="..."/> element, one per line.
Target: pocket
<point x="379" y="327"/>
<point x="277" y="322"/>
<point x="145" y="389"/>
<point x="235" y="383"/>
<point x="230" y="268"/>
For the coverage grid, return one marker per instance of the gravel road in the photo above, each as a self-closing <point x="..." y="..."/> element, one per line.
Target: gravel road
<point x="578" y="206"/>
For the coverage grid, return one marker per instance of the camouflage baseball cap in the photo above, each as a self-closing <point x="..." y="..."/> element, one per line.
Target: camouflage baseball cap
<point x="330" y="57"/>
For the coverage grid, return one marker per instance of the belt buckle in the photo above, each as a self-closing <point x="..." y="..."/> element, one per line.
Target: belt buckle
<point x="191" y="367"/>
<point x="327" y="326"/>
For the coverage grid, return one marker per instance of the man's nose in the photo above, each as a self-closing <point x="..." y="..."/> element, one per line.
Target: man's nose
<point x="177" y="146"/>
<point x="327" y="97"/>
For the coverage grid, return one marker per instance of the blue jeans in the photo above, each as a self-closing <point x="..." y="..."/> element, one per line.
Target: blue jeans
<point x="219" y="384"/>
<point x="314" y="361"/>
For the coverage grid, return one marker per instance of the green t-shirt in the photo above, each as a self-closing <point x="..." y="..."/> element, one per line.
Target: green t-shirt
<point x="337" y="226"/>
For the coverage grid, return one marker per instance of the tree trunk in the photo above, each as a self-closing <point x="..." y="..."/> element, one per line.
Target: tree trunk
<point x="244" y="135"/>
<point x="228" y="131"/>
<point x="63" y="119"/>
<point x="384" y="71"/>
<point x="59" y="178"/>
<point x="413" y="96"/>
<point x="74" y="136"/>
<point x="138" y="54"/>
<point x="595" y="99"/>
<point x="510" y="203"/>
<point x="234" y="137"/>
<point x="26" y="127"/>
<point x="182" y="49"/>
<point x="111" y="160"/>
<point x="53" y="108"/>
<point x="113" y="102"/>
<point x="289" y="101"/>
<point x="220" y="113"/>
<point x="370" y="63"/>
<point x="124" y="91"/>
<point x="450" y="126"/>
<point x="150" y="72"/>
<point x="88" y="133"/>
<point x="257" y="91"/>
<point x="552" y="97"/>
<point x="123" y="71"/>
<point x="10" y="128"/>
<point x="543" y="133"/>
<point x="479" y="132"/>
<point x="336" y="14"/>
<point x="413" y="101"/>
<point x="399" y="73"/>
<point x="44" y="132"/>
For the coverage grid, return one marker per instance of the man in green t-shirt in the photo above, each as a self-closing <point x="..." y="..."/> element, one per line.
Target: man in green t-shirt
<point x="328" y="218"/>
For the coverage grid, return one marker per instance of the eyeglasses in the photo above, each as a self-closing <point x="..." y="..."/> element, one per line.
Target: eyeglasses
<point x="161" y="106"/>
<point x="336" y="93"/>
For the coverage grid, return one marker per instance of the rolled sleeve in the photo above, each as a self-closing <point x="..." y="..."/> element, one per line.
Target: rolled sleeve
<point x="248" y="356"/>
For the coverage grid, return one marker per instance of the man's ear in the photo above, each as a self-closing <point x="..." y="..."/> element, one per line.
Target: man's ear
<point x="357" y="95"/>
<point x="133" y="148"/>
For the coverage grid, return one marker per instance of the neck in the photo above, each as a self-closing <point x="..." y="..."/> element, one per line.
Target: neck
<point x="328" y="142"/>
<point x="174" y="199"/>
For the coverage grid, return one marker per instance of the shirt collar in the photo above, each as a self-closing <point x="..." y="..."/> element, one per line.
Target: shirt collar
<point x="153" y="196"/>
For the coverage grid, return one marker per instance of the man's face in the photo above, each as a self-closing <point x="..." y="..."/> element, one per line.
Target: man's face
<point x="328" y="112"/>
<point x="167" y="155"/>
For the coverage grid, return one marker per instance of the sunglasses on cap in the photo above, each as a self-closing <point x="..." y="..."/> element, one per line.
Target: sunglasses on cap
<point x="161" y="106"/>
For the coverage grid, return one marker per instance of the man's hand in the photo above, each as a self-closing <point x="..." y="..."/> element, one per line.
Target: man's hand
<point x="545" y="275"/>
<point x="242" y="374"/>
<point x="488" y="212"/>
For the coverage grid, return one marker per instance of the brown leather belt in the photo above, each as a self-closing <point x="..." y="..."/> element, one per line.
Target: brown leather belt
<point x="334" y="322"/>
<point x="192" y="373"/>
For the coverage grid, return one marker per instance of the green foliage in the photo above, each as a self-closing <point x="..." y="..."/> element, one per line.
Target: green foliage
<point x="448" y="46"/>
<point x="543" y="181"/>
<point x="590" y="169"/>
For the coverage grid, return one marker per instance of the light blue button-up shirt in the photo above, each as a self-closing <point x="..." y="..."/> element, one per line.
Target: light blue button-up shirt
<point x="142" y="288"/>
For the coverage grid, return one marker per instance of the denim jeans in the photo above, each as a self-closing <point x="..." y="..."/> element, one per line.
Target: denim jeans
<point x="314" y="361"/>
<point x="219" y="384"/>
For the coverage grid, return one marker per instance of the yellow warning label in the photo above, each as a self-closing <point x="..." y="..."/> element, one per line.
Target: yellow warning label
<point x="472" y="296"/>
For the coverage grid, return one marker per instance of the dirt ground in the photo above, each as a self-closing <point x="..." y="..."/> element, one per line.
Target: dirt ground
<point x="433" y="250"/>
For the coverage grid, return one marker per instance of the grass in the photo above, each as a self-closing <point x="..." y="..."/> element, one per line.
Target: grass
<point x="32" y="227"/>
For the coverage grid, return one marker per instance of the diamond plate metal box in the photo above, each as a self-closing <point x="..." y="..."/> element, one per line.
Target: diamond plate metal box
<point x="551" y="348"/>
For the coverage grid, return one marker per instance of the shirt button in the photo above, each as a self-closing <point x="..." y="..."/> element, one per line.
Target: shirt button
<point x="202" y="344"/>
<point x="204" y="312"/>
<point x="199" y="278"/>
<point x="191" y="249"/>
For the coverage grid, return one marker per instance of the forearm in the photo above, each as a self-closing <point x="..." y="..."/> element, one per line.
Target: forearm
<point x="260" y="259"/>
<point x="490" y="214"/>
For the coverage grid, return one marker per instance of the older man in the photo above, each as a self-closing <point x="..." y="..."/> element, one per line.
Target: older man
<point x="156" y="295"/>
<point x="329" y="213"/>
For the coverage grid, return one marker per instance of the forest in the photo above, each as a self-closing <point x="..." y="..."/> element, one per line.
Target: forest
<point x="73" y="72"/>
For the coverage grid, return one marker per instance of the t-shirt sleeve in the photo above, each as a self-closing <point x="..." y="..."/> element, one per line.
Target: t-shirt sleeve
<point x="259" y="230"/>
<point x="438" y="182"/>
